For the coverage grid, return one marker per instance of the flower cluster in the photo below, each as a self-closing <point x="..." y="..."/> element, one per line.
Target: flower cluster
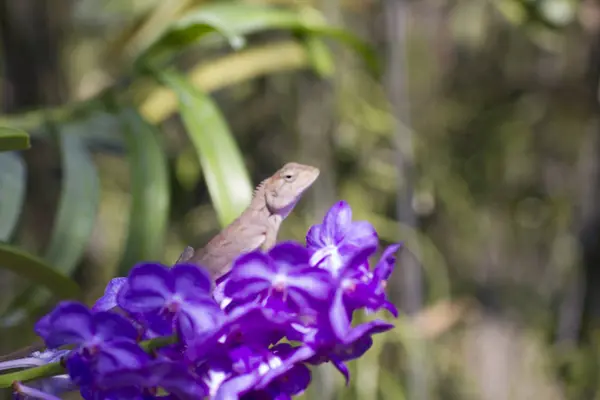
<point x="166" y="332"/>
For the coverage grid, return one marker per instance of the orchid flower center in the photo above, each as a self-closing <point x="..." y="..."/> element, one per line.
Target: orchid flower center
<point x="279" y="283"/>
<point x="173" y="304"/>
<point x="348" y="285"/>
<point x="90" y="350"/>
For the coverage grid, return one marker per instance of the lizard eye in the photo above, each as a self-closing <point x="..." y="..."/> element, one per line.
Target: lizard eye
<point x="288" y="177"/>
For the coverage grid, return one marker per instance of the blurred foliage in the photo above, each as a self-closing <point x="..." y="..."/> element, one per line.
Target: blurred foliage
<point x="13" y="139"/>
<point x="149" y="123"/>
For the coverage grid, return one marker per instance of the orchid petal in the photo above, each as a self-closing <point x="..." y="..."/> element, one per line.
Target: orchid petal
<point x="336" y="222"/>
<point x="69" y="323"/>
<point x="191" y="281"/>
<point x="108" y="325"/>
<point x="109" y="299"/>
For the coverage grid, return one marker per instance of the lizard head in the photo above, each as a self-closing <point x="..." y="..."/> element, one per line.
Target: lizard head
<point x="284" y="189"/>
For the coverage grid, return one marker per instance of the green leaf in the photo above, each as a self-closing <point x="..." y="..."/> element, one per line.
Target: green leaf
<point x="13" y="139"/>
<point x="78" y="204"/>
<point x="149" y="215"/>
<point x="12" y="192"/>
<point x="73" y="222"/>
<point x="320" y="56"/>
<point x="37" y="271"/>
<point x="236" y="19"/>
<point x="222" y="163"/>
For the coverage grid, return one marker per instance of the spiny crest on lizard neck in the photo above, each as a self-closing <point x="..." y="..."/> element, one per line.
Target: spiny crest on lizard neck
<point x="259" y="189"/>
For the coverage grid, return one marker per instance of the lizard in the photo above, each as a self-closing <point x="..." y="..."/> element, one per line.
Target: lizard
<point x="257" y="227"/>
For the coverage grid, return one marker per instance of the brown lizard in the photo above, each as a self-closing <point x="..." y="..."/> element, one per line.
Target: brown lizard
<point x="257" y="227"/>
<point x="272" y="201"/>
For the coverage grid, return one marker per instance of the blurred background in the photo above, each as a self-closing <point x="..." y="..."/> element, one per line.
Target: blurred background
<point x="468" y="129"/>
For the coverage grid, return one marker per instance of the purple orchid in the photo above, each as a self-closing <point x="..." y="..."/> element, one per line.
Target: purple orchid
<point x="171" y="297"/>
<point x="338" y="237"/>
<point x="171" y="376"/>
<point x="262" y="373"/>
<point x="229" y="339"/>
<point x="86" y="369"/>
<point x="378" y="283"/>
<point x="104" y="340"/>
<point x="324" y="338"/>
<point x="363" y="288"/>
<point x="287" y="373"/>
<point x="73" y="323"/>
<point x="248" y="325"/>
<point x="280" y="279"/>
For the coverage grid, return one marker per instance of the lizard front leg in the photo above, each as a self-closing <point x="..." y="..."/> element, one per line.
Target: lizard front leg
<point x="186" y="255"/>
<point x="270" y="238"/>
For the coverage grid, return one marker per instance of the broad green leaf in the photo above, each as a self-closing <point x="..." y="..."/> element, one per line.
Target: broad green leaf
<point x="13" y="139"/>
<point x="12" y="192"/>
<point x="236" y="19"/>
<point x="221" y="160"/>
<point x="78" y="204"/>
<point x="206" y="23"/>
<point x="38" y="271"/>
<point x="150" y="191"/>
<point x="73" y="223"/>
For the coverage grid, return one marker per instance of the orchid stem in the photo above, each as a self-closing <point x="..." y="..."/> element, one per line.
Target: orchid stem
<point x="162" y="341"/>
<point x="43" y="371"/>
<point x="56" y="368"/>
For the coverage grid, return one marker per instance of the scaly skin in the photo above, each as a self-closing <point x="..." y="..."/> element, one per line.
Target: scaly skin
<point x="257" y="227"/>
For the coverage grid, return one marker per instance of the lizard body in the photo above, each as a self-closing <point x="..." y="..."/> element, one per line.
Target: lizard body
<point x="257" y="227"/>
